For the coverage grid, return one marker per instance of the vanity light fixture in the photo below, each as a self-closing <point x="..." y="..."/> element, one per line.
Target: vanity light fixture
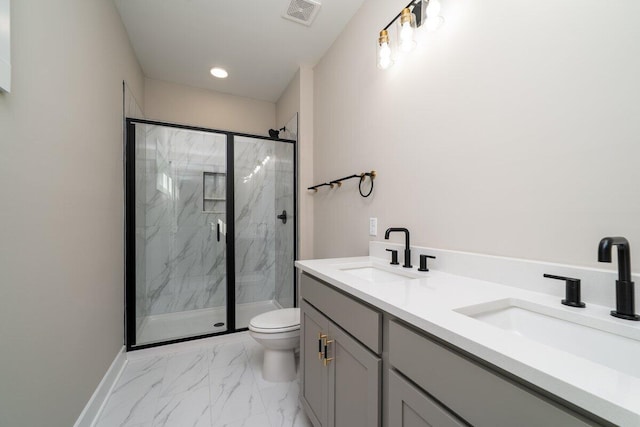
<point x="416" y="13"/>
<point x="220" y="73"/>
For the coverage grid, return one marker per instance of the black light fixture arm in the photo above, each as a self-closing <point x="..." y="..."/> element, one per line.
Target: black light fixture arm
<point x="411" y="3"/>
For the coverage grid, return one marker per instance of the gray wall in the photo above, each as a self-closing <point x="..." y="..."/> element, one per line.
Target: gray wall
<point x="61" y="251"/>
<point x="512" y="131"/>
<point x="176" y="103"/>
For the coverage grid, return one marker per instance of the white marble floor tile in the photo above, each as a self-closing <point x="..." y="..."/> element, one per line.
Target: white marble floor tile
<point x="228" y="354"/>
<point x="134" y="398"/>
<point x="283" y="407"/>
<point x="215" y="385"/>
<point x="189" y="409"/>
<point x="260" y="420"/>
<point x="185" y="372"/>
<point x="235" y="403"/>
<point x="234" y="376"/>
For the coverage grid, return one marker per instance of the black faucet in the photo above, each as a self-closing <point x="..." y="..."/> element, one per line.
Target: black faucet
<point x="625" y="298"/>
<point x="407" y="251"/>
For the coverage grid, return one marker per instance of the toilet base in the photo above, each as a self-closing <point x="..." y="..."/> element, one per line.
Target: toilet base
<point x="279" y="365"/>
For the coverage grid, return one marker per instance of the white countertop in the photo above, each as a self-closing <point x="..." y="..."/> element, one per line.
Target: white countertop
<point x="429" y="303"/>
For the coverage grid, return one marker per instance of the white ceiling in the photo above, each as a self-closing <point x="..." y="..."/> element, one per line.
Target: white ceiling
<point x="180" y="40"/>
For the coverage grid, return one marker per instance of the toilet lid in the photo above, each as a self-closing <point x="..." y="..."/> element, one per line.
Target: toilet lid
<point x="283" y="320"/>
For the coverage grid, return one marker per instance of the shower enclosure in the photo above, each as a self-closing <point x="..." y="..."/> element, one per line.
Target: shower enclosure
<point x="211" y="230"/>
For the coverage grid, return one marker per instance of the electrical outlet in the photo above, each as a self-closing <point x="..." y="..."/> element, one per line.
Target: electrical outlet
<point x="373" y="226"/>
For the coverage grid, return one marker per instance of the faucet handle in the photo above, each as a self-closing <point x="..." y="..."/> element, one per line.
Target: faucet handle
<point x="572" y="298"/>
<point x="394" y="256"/>
<point x="423" y="262"/>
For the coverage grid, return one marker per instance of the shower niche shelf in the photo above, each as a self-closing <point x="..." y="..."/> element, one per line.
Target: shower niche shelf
<point x="214" y="190"/>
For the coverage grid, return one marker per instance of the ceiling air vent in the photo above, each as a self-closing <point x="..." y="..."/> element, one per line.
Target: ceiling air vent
<point x="302" y="11"/>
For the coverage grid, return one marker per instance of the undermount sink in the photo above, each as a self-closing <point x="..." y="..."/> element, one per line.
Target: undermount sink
<point x="604" y="342"/>
<point x="374" y="272"/>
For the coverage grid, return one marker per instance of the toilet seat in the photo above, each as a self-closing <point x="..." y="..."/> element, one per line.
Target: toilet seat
<point x="276" y="321"/>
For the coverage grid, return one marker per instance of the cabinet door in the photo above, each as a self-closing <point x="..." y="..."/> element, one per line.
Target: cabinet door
<point x="314" y="373"/>
<point x="354" y="382"/>
<point x="410" y="407"/>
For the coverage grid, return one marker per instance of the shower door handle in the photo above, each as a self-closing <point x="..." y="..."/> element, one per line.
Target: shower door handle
<point x="283" y="217"/>
<point x="218" y="231"/>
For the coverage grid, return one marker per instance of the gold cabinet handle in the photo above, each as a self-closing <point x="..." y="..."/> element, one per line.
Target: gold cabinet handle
<point x="321" y="337"/>
<point x="326" y="360"/>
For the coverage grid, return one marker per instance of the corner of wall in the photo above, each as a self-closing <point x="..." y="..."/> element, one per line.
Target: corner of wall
<point x="305" y="179"/>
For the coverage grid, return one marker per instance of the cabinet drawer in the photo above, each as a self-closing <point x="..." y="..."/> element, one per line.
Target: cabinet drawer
<point x="411" y="407"/>
<point x="361" y="321"/>
<point x="479" y="396"/>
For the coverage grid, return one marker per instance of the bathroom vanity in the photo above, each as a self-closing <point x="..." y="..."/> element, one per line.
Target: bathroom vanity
<point x="387" y="346"/>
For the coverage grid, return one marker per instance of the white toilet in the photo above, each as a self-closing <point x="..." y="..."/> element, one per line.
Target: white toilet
<point x="278" y="331"/>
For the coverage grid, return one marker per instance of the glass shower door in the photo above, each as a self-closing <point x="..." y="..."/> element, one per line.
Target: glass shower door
<point x="264" y="226"/>
<point x="180" y="233"/>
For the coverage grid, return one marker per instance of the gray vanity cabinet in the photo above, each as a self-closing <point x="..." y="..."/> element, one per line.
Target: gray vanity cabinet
<point x="411" y="407"/>
<point x="340" y="375"/>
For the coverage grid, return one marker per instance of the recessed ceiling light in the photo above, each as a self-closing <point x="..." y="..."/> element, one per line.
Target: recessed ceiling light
<point x="220" y="73"/>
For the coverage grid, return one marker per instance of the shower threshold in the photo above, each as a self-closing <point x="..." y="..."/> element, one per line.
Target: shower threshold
<point x="165" y="327"/>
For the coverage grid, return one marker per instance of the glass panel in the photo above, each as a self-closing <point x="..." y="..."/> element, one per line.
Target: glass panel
<point x="180" y="226"/>
<point x="285" y="233"/>
<point x="264" y="186"/>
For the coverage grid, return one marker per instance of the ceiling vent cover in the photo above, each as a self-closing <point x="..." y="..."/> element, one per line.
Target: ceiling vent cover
<point x="302" y="11"/>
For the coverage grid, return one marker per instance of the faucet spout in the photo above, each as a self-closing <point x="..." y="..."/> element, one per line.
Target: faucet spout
<point x="407" y="246"/>
<point x="625" y="293"/>
<point x="624" y="255"/>
<point x="403" y="230"/>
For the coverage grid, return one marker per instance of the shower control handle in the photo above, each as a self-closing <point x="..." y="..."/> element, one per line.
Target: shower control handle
<point x="283" y="217"/>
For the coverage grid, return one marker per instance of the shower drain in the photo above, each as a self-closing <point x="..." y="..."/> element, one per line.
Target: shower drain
<point x="217" y="325"/>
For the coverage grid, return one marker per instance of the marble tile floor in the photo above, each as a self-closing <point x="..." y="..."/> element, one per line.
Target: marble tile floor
<point x="207" y="383"/>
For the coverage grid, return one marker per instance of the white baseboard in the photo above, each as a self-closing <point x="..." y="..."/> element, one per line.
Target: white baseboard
<point x="94" y="406"/>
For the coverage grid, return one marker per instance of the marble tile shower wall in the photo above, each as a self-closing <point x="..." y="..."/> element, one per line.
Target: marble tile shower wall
<point x="255" y="217"/>
<point x="284" y="233"/>
<point x="185" y="264"/>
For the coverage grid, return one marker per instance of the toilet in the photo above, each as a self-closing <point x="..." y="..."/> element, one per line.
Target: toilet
<point x="278" y="331"/>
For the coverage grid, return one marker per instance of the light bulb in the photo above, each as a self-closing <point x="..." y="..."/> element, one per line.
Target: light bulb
<point x="433" y="10"/>
<point x="406" y="25"/>
<point x="384" y="56"/>
<point x="406" y="37"/>
<point x="384" y="51"/>
<point x="434" y="24"/>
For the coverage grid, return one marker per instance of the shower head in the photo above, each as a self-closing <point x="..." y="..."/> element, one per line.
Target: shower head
<point x="275" y="133"/>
